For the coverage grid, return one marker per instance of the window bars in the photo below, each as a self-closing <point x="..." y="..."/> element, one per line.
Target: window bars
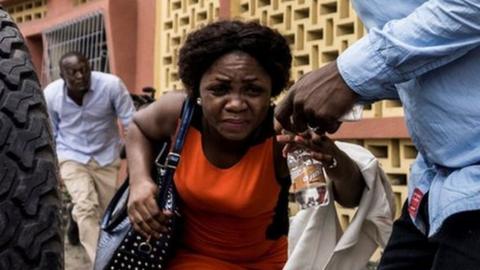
<point x="85" y="34"/>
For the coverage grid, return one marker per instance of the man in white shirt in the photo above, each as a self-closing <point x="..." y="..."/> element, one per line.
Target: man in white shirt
<point x="84" y="107"/>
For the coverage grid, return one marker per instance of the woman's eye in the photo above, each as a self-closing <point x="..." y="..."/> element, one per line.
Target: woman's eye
<point x="254" y="91"/>
<point x="218" y="91"/>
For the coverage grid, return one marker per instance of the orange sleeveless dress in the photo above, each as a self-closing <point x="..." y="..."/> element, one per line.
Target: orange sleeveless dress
<point x="227" y="211"/>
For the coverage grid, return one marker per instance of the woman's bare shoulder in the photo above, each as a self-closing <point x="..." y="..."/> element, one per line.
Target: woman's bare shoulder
<point x="158" y="120"/>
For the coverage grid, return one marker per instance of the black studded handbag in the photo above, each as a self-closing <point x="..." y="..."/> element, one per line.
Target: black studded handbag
<point x="119" y="245"/>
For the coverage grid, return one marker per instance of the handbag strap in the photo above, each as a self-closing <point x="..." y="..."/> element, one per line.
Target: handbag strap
<point x="173" y="158"/>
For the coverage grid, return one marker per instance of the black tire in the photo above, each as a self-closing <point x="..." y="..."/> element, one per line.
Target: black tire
<point x="30" y="223"/>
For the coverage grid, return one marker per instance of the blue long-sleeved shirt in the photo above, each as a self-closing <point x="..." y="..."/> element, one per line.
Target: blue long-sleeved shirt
<point x="427" y="54"/>
<point x="89" y="131"/>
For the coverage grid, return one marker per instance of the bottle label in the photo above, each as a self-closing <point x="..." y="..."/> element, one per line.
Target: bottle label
<point x="307" y="177"/>
<point x="308" y="181"/>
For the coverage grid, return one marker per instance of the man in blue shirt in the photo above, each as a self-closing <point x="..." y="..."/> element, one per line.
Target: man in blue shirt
<point x="427" y="54"/>
<point x="84" y="107"/>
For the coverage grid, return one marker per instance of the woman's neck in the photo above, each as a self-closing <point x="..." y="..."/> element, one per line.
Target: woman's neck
<point x="219" y="151"/>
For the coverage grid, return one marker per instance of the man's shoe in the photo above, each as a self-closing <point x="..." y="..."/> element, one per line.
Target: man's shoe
<point x="72" y="228"/>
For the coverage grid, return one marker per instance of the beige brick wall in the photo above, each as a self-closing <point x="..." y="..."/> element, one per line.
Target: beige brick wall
<point x="175" y="19"/>
<point x="25" y="11"/>
<point x="395" y="157"/>
<point x="318" y="30"/>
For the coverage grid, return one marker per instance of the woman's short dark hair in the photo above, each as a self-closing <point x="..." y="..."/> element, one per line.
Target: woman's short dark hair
<point x="206" y="45"/>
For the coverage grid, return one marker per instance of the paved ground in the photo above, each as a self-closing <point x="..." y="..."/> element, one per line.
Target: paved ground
<point x="75" y="257"/>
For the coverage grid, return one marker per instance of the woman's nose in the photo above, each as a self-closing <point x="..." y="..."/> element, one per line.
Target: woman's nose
<point x="236" y="103"/>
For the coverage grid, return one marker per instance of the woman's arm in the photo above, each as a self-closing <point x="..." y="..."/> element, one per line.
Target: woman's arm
<point x="150" y="125"/>
<point x="348" y="182"/>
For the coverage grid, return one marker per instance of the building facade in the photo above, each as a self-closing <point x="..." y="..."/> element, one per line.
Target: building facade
<point x="116" y="35"/>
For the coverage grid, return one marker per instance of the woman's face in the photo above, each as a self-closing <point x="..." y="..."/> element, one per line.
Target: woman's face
<point x="235" y="93"/>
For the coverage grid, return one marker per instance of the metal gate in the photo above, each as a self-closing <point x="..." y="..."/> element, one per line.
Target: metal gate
<point x="85" y="34"/>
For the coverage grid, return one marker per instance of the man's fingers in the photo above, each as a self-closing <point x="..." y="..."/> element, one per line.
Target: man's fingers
<point x="324" y="144"/>
<point x="320" y="139"/>
<point x="324" y="158"/>
<point x="299" y="120"/>
<point x="317" y="100"/>
<point x="333" y="127"/>
<point x="284" y="110"/>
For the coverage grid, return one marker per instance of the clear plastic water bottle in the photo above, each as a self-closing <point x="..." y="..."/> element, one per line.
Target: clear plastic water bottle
<point x="308" y="180"/>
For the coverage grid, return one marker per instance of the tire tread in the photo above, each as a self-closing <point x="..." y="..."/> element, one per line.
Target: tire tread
<point x="30" y="220"/>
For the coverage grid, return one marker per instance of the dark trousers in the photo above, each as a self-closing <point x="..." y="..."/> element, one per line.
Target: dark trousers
<point x="456" y="246"/>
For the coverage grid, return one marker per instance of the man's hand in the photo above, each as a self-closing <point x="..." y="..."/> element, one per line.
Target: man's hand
<point x="318" y="100"/>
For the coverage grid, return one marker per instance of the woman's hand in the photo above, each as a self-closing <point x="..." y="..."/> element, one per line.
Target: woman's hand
<point x="143" y="211"/>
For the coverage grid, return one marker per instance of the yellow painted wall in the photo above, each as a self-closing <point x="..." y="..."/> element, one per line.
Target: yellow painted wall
<point x="25" y="11"/>
<point x="175" y="19"/>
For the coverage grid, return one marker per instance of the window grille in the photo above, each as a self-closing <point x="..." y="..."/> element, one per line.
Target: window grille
<point x="85" y="34"/>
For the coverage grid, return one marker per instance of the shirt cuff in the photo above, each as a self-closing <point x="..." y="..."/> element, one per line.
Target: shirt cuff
<point x="125" y="123"/>
<point x="364" y="70"/>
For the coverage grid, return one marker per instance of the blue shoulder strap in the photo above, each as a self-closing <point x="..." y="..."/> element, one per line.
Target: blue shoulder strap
<point x="173" y="158"/>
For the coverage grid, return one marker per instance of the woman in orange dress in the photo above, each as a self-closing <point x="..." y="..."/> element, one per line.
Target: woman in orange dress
<point x="232" y="177"/>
